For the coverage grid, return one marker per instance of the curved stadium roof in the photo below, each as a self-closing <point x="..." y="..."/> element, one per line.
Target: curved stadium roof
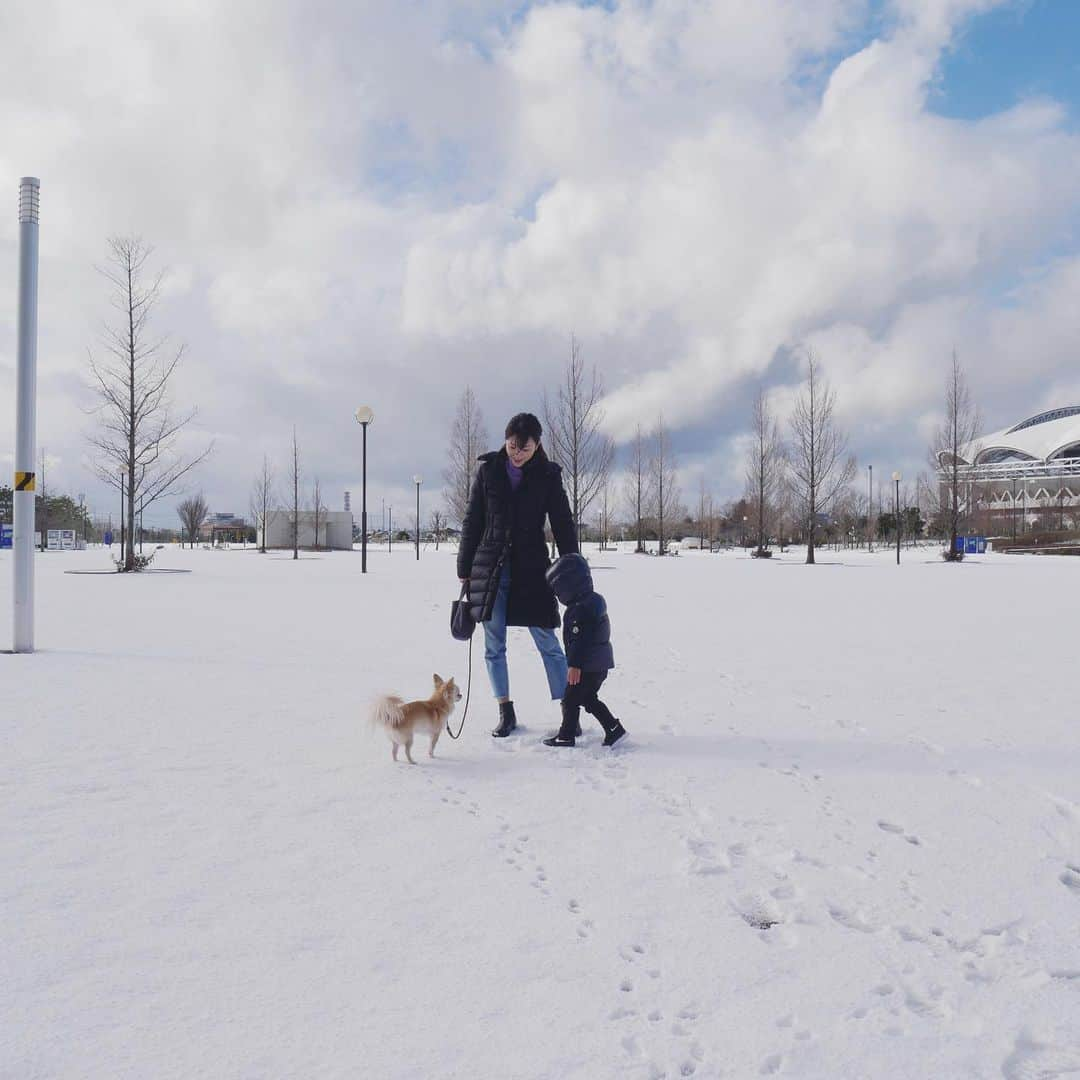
<point x="1042" y="437"/>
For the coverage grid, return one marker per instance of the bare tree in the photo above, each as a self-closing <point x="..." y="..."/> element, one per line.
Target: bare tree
<point x="704" y="509"/>
<point x="764" y="467"/>
<point x="296" y="496"/>
<point x="954" y="446"/>
<point x="468" y="440"/>
<point x="41" y="506"/>
<point x="665" y="484"/>
<point x="820" y="465"/>
<point x="605" y="507"/>
<point x="438" y="523"/>
<point x="138" y="430"/>
<point x="192" y="512"/>
<point x="262" y="498"/>
<point x="317" y="507"/>
<point x="638" y="487"/>
<point x="574" y="437"/>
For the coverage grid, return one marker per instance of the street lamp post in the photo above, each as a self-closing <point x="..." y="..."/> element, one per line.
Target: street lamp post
<point x="896" y="511"/>
<point x="417" y="481"/>
<point x="1014" y="509"/>
<point x="364" y="416"/>
<point x="870" y="508"/>
<point x="389" y="529"/>
<point x="22" y="496"/>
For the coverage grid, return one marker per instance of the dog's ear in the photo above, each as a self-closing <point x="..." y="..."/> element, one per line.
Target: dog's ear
<point x="438" y="681"/>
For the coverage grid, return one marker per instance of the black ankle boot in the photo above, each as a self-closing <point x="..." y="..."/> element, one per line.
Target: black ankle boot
<point x="614" y="734"/>
<point x="507" y="720"/>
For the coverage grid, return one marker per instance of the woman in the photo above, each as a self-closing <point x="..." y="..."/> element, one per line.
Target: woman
<point x="503" y="555"/>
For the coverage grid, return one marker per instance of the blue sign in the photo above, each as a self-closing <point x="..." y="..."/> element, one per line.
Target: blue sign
<point x="971" y="545"/>
<point x="108" y="537"/>
<point x="7" y="533"/>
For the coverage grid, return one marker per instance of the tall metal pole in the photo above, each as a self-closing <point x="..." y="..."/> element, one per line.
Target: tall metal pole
<point x="390" y="530"/>
<point x="363" y="510"/>
<point x="364" y="416"/>
<point x="417" y="520"/>
<point x="870" y="509"/>
<point x="898" y="521"/>
<point x="26" y="415"/>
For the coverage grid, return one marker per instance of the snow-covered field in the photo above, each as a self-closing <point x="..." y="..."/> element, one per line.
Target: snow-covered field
<point x="843" y="839"/>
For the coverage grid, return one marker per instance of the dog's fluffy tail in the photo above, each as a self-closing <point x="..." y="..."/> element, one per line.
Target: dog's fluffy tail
<point x="387" y="712"/>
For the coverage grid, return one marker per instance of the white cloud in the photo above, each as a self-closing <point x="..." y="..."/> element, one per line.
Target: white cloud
<point x="380" y="202"/>
<point x="757" y="231"/>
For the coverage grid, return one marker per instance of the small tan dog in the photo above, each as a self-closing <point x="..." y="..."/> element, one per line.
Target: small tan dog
<point x="401" y="719"/>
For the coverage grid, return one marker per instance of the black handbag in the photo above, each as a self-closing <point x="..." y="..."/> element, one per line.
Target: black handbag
<point x="462" y="624"/>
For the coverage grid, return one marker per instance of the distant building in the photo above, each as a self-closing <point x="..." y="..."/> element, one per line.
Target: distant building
<point x="1024" y="476"/>
<point x="223" y="527"/>
<point x="335" y="529"/>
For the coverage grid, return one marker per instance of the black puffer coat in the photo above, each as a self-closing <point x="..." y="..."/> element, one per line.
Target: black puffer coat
<point x="507" y="527"/>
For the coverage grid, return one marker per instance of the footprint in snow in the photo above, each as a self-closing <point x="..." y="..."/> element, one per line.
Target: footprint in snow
<point x="852" y="918"/>
<point x="705" y="859"/>
<point x="1032" y="1059"/>
<point x="1070" y="878"/>
<point x="899" y="830"/>
<point x="757" y="911"/>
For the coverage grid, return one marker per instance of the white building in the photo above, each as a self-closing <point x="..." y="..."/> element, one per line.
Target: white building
<point x="335" y="529"/>
<point x="1027" y="474"/>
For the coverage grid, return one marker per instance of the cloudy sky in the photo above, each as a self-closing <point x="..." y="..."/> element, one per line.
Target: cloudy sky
<point x="381" y="202"/>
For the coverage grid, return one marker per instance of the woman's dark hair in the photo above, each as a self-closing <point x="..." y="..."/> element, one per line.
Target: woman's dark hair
<point x="524" y="427"/>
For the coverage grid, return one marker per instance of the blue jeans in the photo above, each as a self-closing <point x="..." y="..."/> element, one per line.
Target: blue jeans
<point x="547" y="642"/>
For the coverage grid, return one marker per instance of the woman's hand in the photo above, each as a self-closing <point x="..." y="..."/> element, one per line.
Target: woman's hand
<point x="573" y="676"/>
<point x="463" y="580"/>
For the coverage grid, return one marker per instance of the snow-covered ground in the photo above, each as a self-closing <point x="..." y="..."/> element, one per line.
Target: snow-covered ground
<point x="843" y="839"/>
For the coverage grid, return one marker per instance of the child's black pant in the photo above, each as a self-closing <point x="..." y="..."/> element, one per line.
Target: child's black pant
<point x="583" y="695"/>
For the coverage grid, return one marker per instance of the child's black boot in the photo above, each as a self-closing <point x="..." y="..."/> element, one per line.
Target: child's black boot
<point x="570" y="727"/>
<point x="614" y="733"/>
<point x="559" y="739"/>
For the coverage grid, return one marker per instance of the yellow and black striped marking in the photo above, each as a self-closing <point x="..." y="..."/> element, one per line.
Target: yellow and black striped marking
<point x="25" y="481"/>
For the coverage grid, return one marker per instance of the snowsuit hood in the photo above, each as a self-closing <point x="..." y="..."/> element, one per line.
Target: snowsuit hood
<point x="570" y="578"/>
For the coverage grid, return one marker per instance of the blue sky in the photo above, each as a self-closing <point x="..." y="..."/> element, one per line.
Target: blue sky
<point x="1026" y="49"/>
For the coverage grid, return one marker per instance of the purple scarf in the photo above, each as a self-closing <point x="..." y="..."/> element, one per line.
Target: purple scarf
<point x="514" y="475"/>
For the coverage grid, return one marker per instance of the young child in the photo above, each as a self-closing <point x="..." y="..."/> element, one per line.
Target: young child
<point x="587" y="640"/>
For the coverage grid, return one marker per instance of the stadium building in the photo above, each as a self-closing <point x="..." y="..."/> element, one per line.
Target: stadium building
<point x="1026" y="477"/>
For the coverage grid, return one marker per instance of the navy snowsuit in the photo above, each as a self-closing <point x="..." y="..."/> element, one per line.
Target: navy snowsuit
<point x="586" y="639"/>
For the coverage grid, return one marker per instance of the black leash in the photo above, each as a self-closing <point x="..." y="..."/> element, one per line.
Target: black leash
<point x="468" y="693"/>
